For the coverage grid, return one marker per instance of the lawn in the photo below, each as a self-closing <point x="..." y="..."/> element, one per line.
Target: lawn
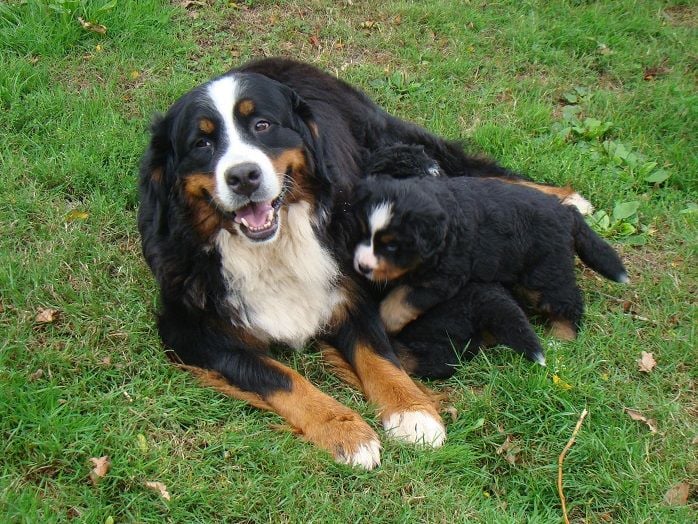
<point x="600" y="95"/>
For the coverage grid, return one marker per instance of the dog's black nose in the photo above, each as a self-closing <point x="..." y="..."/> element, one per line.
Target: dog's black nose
<point x="364" y="270"/>
<point x="244" y="179"/>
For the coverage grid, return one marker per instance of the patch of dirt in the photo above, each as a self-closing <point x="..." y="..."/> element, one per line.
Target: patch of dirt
<point x="681" y="15"/>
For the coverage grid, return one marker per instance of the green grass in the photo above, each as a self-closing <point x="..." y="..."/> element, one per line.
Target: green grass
<point x="75" y="107"/>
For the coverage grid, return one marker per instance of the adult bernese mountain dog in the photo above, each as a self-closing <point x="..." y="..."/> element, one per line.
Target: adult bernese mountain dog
<point x="430" y="237"/>
<point x="238" y="190"/>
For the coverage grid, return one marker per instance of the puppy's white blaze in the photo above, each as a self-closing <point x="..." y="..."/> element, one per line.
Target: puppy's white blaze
<point x="581" y="203"/>
<point x="380" y="217"/>
<point x="363" y="256"/>
<point x="418" y="427"/>
<point x="623" y="278"/>
<point x="224" y="93"/>
<point x="368" y="456"/>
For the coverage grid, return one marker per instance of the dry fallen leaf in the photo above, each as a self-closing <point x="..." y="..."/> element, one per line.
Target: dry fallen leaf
<point x="677" y="494"/>
<point x="36" y="375"/>
<point x="314" y="41"/>
<point x="636" y="415"/>
<point x="510" y="450"/>
<point x="646" y="362"/>
<point x="101" y="468"/>
<point x="89" y="26"/>
<point x="158" y="486"/>
<point x="46" y="315"/>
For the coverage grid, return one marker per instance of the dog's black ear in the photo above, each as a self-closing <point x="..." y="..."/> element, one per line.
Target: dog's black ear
<point x="430" y="236"/>
<point x="156" y="181"/>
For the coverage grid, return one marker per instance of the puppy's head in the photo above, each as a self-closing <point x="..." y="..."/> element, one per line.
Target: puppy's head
<point x="402" y="226"/>
<point x="231" y="154"/>
<point x="402" y="161"/>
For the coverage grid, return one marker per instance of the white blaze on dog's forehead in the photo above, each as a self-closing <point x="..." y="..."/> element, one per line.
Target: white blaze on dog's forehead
<point x="380" y="216"/>
<point x="224" y="94"/>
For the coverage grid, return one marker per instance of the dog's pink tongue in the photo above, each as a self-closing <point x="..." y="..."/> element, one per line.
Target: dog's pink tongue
<point x="255" y="213"/>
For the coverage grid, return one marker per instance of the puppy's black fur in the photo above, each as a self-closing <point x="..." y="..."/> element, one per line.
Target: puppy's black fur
<point x="442" y="233"/>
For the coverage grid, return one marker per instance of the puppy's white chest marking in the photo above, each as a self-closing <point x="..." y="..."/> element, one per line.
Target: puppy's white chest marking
<point x="287" y="289"/>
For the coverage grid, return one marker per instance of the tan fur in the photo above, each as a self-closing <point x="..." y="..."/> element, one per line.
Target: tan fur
<point x="315" y="416"/>
<point x="560" y="192"/>
<point x="206" y="220"/>
<point x="246" y="107"/>
<point x="562" y="329"/>
<point x="388" y="386"/>
<point x="207" y="126"/>
<point x="395" y="312"/>
<point x="289" y="286"/>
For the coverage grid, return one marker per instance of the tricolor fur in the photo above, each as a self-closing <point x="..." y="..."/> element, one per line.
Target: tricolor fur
<point x="241" y="188"/>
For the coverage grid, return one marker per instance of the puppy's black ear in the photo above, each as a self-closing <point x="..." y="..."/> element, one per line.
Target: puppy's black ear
<point x="430" y="235"/>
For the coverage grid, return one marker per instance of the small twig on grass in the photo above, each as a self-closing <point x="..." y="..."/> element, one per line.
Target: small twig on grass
<point x="560" y="460"/>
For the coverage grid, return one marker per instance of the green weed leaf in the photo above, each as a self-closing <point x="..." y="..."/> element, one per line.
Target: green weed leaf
<point x="657" y="177"/>
<point x="625" y="210"/>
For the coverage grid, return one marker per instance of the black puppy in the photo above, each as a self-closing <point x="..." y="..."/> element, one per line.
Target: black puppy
<point x="478" y="315"/>
<point x="433" y="235"/>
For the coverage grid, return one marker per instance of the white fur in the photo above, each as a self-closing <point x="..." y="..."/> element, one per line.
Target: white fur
<point x="581" y="203"/>
<point x="368" y="456"/>
<point x="224" y="95"/>
<point x="363" y="256"/>
<point x="417" y="427"/>
<point x="288" y="287"/>
<point x="380" y="217"/>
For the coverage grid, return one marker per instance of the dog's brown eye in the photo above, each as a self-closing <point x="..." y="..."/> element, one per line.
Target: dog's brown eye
<point x="261" y="125"/>
<point x="202" y="143"/>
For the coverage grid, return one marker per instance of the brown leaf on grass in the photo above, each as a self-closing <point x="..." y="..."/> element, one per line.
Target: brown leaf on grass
<point x="159" y="487"/>
<point x="677" y="494"/>
<point x="651" y="73"/>
<point x="636" y="415"/>
<point x="646" y="362"/>
<point x="46" y="315"/>
<point x="314" y="41"/>
<point x="36" y="375"/>
<point x="91" y="26"/>
<point x="695" y="441"/>
<point x="102" y="465"/>
<point x="510" y="450"/>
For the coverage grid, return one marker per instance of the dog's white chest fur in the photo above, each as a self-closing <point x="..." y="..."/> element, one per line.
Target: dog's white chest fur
<point x="285" y="290"/>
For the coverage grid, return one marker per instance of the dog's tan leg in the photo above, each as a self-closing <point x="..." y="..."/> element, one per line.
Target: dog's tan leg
<point x="317" y="417"/>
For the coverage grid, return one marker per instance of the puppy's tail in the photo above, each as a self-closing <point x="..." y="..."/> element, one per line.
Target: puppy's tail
<point x="596" y="252"/>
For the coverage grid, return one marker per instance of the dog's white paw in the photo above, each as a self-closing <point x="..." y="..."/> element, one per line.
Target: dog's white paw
<point x="366" y="456"/>
<point x="581" y="203"/>
<point x="418" y="427"/>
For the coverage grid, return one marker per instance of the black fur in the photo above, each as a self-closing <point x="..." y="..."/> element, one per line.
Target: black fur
<point x="202" y="318"/>
<point x="455" y="329"/>
<point x="452" y="231"/>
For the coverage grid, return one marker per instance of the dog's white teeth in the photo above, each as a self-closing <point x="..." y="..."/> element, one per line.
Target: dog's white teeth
<point x="270" y="216"/>
<point x="243" y="221"/>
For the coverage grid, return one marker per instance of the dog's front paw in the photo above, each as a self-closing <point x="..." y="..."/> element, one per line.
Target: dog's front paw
<point x="350" y="440"/>
<point x="418" y="427"/>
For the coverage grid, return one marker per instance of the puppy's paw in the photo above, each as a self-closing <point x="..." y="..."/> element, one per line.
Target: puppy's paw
<point x="418" y="427"/>
<point x="366" y="456"/>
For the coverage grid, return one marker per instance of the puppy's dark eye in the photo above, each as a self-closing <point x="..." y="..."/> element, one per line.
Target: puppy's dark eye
<point x="261" y="125"/>
<point x="391" y="247"/>
<point x="203" y="143"/>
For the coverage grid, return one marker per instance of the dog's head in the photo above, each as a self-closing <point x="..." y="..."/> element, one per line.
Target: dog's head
<point x="402" y="226"/>
<point x="231" y="154"/>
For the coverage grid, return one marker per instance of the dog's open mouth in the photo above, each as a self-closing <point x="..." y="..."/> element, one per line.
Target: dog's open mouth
<point x="259" y="221"/>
